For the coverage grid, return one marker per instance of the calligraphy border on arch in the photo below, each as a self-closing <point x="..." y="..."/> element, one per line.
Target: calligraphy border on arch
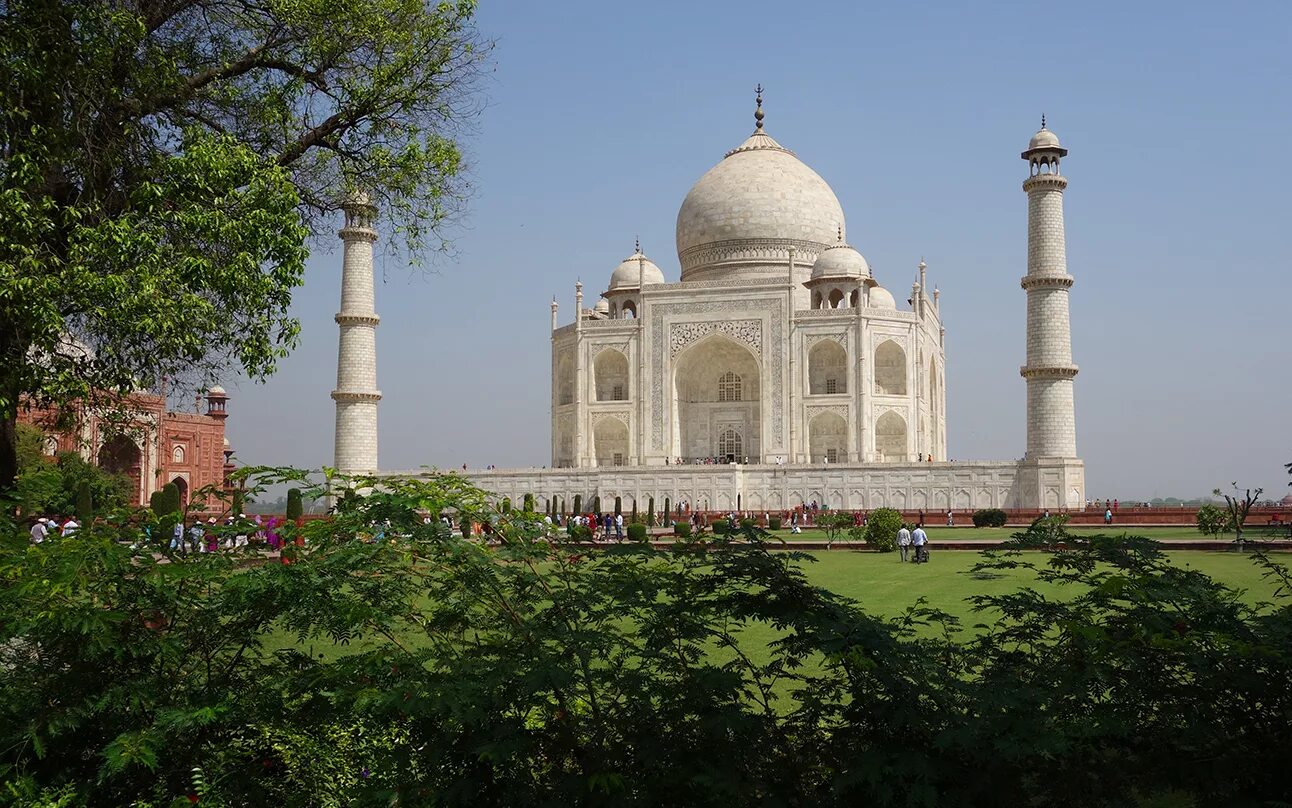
<point x="684" y="335"/>
<point x="663" y="364"/>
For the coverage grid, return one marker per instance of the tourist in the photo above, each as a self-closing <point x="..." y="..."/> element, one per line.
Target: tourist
<point x="1114" y="504"/>
<point x="921" y="541"/>
<point x="195" y="534"/>
<point x="950" y="519"/>
<point x="39" y="530"/>
<point x="1108" y="516"/>
<point x="69" y="527"/>
<point x="904" y="543"/>
<point x="177" y="537"/>
<point x="619" y="526"/>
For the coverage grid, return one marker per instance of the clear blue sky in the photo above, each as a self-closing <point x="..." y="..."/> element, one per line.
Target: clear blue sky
<point x="601" y="115"/>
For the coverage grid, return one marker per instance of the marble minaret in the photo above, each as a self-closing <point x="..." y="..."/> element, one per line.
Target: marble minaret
<point x="356" y="392"/>
<point x="1051" y="421"/>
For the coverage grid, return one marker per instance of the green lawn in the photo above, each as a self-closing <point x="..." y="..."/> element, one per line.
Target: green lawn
<point x="886" y="587"/>
<point x="966" y="532"/>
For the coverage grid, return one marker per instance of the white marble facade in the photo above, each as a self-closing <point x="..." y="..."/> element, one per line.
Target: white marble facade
<point x="780" y="356"/>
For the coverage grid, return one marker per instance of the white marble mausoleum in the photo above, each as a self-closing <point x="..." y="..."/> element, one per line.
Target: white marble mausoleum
<point x="778" y="370"/>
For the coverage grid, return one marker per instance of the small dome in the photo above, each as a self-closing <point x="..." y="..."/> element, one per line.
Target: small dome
<point x="881" y="298"/>
<point x="625" y="275"/>
<point x="1044" y="139"/>
<point x="216" y="390"/>
<point x="602" y="306"/>
<point x="840" y="261"/>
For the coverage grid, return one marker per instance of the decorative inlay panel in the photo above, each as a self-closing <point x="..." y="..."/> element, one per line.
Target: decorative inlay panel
<point x="749" y="332"/>
<point x="839" y="409"/>
<point x="618" y="415"/>
<point x="813" y="339"/>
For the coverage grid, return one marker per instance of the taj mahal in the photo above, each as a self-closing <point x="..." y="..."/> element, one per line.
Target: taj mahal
<point x="776" y="371"/>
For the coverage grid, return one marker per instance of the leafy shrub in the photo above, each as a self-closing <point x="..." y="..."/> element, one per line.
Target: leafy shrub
<point x="528" y="503"/>
<point x="721" y="527"/>
<point x="579" y="532"/>
<point x="1213" y="520"/>
<point x="548" y="657"/>
<point x="682" y="530"/>
<point x="773" y="523"/>
<point x="881" y="529"/>
<point x="989" y="517"/>
<point x="747" y="523"/>
<point x="295" y="508"/>
<point x="637" y="532"/>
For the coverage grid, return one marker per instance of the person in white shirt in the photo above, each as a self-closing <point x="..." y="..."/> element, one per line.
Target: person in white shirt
<point x="921" y="541"/>
<point x="619" y="526"/>
<point x="904" y="543"/>
<point x="69" y="527"/>
<point x="39" y="530"/>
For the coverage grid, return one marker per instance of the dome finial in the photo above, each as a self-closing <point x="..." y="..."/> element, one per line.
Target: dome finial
<point x="637" y="244"/>
<point x="758" y="110"/>
<point x="840" y="233"/>
<point x="1042" y="120"/>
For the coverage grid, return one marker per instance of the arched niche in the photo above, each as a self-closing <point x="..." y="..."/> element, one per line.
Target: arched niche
<point x="828" y="438"/>
<point x="836" y="298"/>
<point x="890" y="438"/>
<point x="610" y="369"/>
<point x="935" y="399"/>
<point x="629" y="310"/>
<point x="610" y="442"/>
<point x="827" y="368"/>
<point x="716" y="386"/>
<point x="890" y="369"/>
<point x="565" y="379"/>
<point x="120" y="455"/>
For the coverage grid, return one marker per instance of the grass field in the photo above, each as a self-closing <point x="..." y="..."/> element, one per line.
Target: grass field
<point x="886" y="587"/>
<point x="966" y="533"/>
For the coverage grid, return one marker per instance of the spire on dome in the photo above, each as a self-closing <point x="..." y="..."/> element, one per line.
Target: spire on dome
<point x="758" y="110"/>
<point x="840" y="233"/>
<point x="637" y="245"/>
<point x="1042" y="120"/>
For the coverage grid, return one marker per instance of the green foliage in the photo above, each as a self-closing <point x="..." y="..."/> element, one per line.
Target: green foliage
<point x="634" y="513"/>
<point x="596" y="504"/>
<point x="295" y="508"/>
<point x="436" y="670"/>
<point x="528" y="503"/>
<point x="84" y="503"/>
<point x="682" y="529"/>
<point x="833" y="523"/>
<point x="748" y="524"/>
<point x="170" y="500"/>
<point x="637" y="532"/>
<point x="175" y="158"/>
<point x="667" y="511"/>
<point x="54" y="485"/>
<point x="650" y="512"/>
<point x="505" y="507"/>
<point x="773" y="523"/>
<point x="578" y="503"/>
<point x="619" y="506"/>
<point x="989" y="517"/>
<point x="1213" y="520"/>
<point x="881" y="529"/>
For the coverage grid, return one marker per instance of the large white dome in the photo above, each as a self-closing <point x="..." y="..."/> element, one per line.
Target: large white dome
<point x="741" y="217"/>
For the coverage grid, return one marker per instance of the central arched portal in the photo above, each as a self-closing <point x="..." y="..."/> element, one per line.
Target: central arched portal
<point x="717" y="394"/>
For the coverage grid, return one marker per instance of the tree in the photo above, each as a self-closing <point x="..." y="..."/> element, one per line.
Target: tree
<point x="1239" y="504"/>
<point x="295" y="507"/>
<point x="84" y="503"/>
<point x="176" y="158"/>
<point x="528" y="502"/>
<point x="833" y="523"/>
<point x="881" y="528"/>
<point x="578" y="501"/>
<point x="1212" y="520"/>
<point x="650" y="512"/>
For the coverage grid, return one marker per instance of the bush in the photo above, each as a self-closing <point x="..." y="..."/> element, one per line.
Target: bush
<point x="989" y="517"/>
<point x="881" y="529"/>
<point x="747" y="523"/>
<point x="1213" y="520"/>
<point x="650" y="512"/>
<point x="578" y="504"/>
<point x="682" y="530"/>
<point x="773" y="523"/>
<point x="579" y="532"/>
<point x="637" y="532"/>
<point x="528" y="503"/>
<point x="295" y="508"/>
<point x="84" y="503"/>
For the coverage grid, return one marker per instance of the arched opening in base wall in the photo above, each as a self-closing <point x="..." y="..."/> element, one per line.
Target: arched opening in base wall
<point x="120" y="455"/>
<point x="182" y="485"/>
<point x="716" y="395"/>
<point x="610" y="441"/>
<point x="890" y="438"/>
<point x="828" y="438"/>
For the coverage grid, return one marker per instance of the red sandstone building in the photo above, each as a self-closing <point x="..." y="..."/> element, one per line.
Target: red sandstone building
<point x="152" y="446"/>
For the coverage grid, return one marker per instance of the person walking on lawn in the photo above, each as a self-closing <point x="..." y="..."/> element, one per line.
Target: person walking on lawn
<point x="921" y="541"/>
<point x="904" y="543"/>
